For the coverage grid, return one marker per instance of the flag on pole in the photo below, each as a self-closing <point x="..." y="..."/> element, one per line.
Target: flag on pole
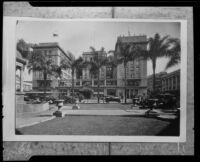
<point x="55" y="35"/>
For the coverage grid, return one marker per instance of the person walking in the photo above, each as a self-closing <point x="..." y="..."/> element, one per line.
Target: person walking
<point x="122" y="98"/>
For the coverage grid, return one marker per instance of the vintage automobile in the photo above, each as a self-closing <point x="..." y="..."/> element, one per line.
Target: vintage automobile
<point x="112" y="98"/>
<point x="136" y="101"/>
<point x="27" y="98"/>
<point x="163" y="101"/>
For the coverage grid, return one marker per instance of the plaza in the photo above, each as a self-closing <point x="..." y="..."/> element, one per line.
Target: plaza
<point x="95" y="119"/>
<point x="104" y="89"/>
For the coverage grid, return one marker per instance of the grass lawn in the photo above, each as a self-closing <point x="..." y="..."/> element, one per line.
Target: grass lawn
<point x="97" y="125"/>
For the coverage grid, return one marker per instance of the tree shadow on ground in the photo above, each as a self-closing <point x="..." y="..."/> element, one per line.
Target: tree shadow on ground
<point x="17" y="132"/>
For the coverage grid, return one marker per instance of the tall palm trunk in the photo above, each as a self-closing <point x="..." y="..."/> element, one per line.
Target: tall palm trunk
<point x="72" y="85"/>
<point x="154" y="75"/>
<point x="125" y="81"/>
<point x="45" y="83"/>
<point x="98" y="86"/>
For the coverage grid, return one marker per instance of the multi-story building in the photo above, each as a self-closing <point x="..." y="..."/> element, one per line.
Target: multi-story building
<point x="90" y="79"/>
<point x="23" y="76"/>
<point x="171" y="82"/>
<point x="88" y="56"/>
<point x="57" y="54"/>
<point x="158" y="81"/>
<point x="112" y="77"/>
<point x="136" y="71"/>
<point x="23" y="79"/>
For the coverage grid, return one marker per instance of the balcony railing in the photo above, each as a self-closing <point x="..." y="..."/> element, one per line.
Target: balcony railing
<point x="102" y="83"/>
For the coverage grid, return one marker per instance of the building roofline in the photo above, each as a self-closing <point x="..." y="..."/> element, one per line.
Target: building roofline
<point x="160" y="73"/>
<point x="51" y="45"/>
<point x="171" y="73"/>
<point x="90" y="53"/>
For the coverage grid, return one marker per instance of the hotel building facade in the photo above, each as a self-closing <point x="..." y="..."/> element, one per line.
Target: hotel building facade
<point x="136" y="72"/>
<point x="57" y="54"/>
<point x="112" y="77"/>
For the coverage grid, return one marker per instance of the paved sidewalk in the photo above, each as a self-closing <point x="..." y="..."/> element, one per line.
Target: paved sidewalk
<point x="102" y="101"/>
<point x="32" y="119"/>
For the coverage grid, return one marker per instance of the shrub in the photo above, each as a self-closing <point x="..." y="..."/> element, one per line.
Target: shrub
<point x="87" y="93"/>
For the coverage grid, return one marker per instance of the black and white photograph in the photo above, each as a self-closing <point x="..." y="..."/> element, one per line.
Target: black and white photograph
<point x="96" y="80"/>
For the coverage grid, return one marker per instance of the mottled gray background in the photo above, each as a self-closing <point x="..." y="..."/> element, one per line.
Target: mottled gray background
<point x="24" y="150"/>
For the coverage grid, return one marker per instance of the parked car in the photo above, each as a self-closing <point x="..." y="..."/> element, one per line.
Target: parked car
<point x="136" y="101"/>
<point x="169" y="100"/>
<point x="26" y="98"/>
<point x="154" y="103"/>
<point x="163" y="101"/>
<point x="112" y="98"/>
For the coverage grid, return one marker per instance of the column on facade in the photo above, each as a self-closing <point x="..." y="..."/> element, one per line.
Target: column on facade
<point x="92" y="82"/>
<point x="168" y="83"/>
<point x="80" y="82"/>
<point x="129" y="93"/>
<point x="176" y="81"/>
<point x="21" y="79"/>
<point x="105" y="91"/>
<point x="123" y="91"/>
<point x="105" y="82"/>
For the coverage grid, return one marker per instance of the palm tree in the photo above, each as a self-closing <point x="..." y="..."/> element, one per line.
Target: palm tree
<point x="57" y="70"/>
<point x="126" y="52"/>
<point x="23" y="48"/>
<point x="75" y="65"/>
<point x="97" y="62"/>
<point x="157" y="47"/>
<point x="174" y="53"/>
<point x="40" y="62"/>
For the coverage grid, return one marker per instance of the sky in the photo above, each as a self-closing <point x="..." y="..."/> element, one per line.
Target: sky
<point x="78" y="36"/>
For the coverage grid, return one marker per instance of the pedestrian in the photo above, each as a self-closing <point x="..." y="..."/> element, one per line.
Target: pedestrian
<point x="122" y="97"/>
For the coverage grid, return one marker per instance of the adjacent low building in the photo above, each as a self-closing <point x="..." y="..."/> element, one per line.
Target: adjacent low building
<point x="165" y="82"/>
<point x="171" y="82"/>
<point x="22" y="80"/>
<point x="158" y="81"/>
<point x="23" y="76"/>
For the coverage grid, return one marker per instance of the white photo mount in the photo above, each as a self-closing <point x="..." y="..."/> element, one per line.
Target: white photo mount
<point x="9" y="50"/>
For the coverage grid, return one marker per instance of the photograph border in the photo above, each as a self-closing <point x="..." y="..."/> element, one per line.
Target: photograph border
<point x="9" y="50"/>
